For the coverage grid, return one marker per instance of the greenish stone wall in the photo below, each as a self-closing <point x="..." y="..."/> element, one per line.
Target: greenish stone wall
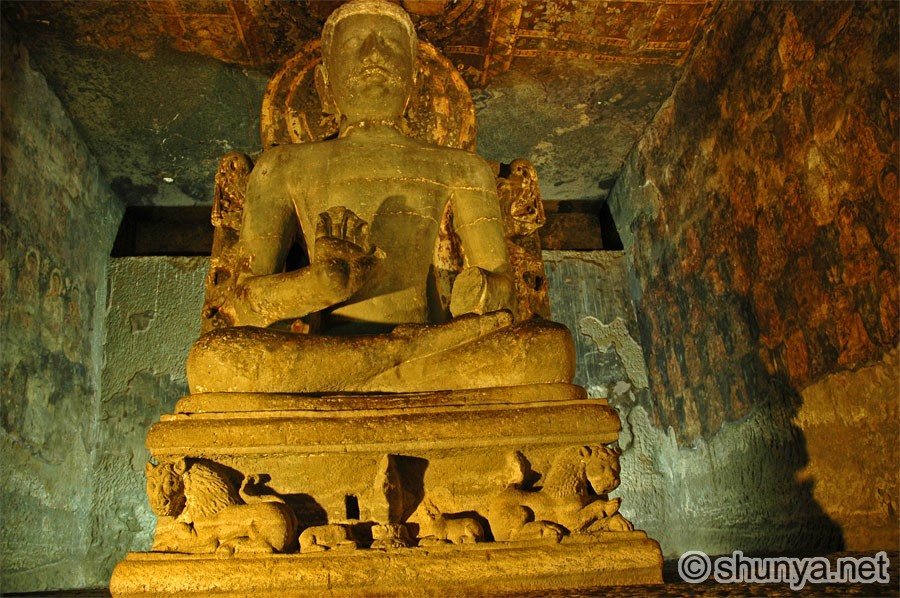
<point x="588" y="295"/>
<point x="58" y="223"/>
<point x="152" y="319"/>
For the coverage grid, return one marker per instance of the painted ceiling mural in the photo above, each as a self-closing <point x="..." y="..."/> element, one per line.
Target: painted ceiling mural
<point x="481" y="37"/>
<point x="162" y="88"/>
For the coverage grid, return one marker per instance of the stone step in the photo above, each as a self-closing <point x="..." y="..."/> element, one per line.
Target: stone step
<point x="611" y="559"/>
<point x="382" y="424"/>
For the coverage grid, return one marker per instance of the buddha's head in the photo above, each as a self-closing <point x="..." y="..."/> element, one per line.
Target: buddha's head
<point x="369" y="60"/>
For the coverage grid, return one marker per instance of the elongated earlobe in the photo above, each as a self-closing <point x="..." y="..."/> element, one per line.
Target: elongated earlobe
<point x="415" y="89"/>
<point x="323" y="87"/>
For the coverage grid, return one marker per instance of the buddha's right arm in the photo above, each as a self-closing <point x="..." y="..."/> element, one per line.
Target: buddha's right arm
<point x="265" y="293"/>
<point x="274" y="297"/>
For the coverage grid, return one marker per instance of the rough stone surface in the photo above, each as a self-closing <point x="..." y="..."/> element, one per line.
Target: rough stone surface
<point x="753" y="488"/>
<point x="858" y="488"/>
<point x="570" y="85"/>
<point x="59" y="221"/>
<point x="153" y="316"/>
<point x="737" y="491"/>
<point x="157" y="123"/>
<point x="574" y="126"/>
<point x="759" y="211"/>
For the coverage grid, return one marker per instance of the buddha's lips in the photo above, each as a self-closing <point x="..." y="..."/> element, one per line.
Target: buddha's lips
<point x="372" y="71"/>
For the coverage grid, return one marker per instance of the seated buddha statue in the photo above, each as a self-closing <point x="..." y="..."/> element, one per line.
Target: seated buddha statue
<point x="369" y="205"/>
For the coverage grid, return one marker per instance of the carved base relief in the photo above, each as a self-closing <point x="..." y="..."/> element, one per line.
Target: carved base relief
<point x="517" y="490"/>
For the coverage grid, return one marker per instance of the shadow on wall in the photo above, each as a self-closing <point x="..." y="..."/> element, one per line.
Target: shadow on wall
<point x="691" y="487"/>
<point x="739" y="490"/>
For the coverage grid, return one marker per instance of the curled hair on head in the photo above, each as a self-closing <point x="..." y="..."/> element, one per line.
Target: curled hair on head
<point x="367" y="7"/>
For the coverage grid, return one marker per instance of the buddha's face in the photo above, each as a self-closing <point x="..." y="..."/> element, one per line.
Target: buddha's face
<point x="371" y="67"/>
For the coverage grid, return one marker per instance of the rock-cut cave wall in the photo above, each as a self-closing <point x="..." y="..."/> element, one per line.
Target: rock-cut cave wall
<point x="58" y="223"/>
<point x="759" y="214"/>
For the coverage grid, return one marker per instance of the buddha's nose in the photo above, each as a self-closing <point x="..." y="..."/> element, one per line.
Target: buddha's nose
<point x="371" y="47"/>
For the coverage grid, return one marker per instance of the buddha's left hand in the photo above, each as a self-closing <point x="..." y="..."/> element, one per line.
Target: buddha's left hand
<point x="480" y="291"/>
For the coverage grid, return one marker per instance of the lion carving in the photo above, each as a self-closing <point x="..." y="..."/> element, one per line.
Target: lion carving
<point x="205" y="514"/>
<point x="572" y="500"/>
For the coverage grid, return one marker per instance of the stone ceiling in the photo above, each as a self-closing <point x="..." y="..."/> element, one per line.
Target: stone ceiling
<point x="160" y="89"/>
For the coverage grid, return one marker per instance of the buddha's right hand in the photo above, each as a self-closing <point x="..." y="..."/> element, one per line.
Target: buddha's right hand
<point x="343" y="256"/>
<point x="342" y="262"/>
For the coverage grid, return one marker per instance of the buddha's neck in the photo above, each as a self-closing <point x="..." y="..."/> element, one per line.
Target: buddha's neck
<point x="373" y="128"/>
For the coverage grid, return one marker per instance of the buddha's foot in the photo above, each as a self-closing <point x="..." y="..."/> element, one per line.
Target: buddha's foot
<point x="427" y="339"/>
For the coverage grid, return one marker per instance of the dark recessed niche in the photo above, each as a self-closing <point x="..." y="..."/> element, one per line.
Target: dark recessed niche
<point x="585" y="225"/>
<point x="351" y="504"/>
<point x="582" y="225"/>
<point x="153" y="230"/>
<point x="611" y="239"/>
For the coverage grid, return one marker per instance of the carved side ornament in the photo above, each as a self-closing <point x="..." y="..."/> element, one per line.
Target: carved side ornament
<point x="227" y="213"/>
<point x="523" y="214"/>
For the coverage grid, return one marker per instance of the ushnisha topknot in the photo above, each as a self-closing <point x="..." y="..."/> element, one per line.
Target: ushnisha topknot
<point x="379" y="7"/>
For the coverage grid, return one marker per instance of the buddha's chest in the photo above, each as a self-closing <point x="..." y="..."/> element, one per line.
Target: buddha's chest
<point x="400" y="196"/>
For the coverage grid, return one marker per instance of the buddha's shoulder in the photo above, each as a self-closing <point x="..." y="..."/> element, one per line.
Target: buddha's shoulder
<point x="287" y="155"/>
<point x="471" y="167"/>
<point x="459" y="164"/>
<point x="454" y="166"/>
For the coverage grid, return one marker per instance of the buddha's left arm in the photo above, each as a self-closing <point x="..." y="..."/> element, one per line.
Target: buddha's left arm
<point x="486" y="282"/>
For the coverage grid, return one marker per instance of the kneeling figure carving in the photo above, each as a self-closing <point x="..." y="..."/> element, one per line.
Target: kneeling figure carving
<point x="333" y="536"/>
<point x="443" y="528"/>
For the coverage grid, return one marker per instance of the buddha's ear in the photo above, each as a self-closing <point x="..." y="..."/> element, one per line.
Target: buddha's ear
<point x="323" y="87"/>
<point x="415" y="89"/>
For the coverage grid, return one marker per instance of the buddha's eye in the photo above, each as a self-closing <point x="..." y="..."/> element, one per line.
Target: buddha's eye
<point x="352" y="42"/>
<point x="392" y="43"/>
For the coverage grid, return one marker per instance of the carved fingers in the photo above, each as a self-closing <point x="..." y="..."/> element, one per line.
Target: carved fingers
<point x="342" y="224"/>
<point x="343" y="253"/>
<point x="342" y="235"/>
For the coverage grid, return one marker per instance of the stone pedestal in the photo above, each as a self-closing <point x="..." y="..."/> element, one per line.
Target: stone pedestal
<point x="626" y="558"/>
<point x="428" y="463"/>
